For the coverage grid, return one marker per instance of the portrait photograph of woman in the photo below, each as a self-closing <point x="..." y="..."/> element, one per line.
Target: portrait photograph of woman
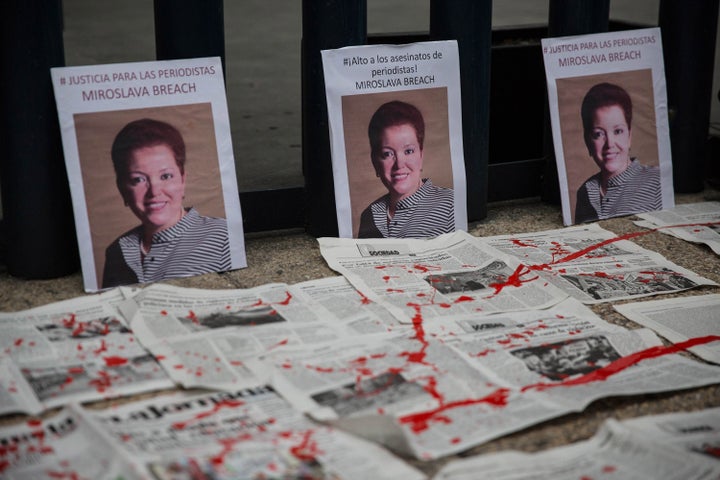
<point x="399" y="164"/>
<point x="610" y="144"/>
<point x="153" y="190"/>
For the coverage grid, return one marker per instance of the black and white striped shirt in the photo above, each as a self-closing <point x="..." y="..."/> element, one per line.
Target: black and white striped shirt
<point x="426" y="213"/>
<point x="635" y="190"/>
<point x="194" y="245"/>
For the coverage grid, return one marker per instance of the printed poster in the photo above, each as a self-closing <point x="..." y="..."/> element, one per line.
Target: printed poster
<point x="609" y="117"/>
<point x="152" y="175"/>
<point x="396" y="139"/>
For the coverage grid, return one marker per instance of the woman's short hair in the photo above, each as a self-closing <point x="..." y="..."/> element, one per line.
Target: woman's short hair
<point x="392" y="114"/>
<point x="143" y="133"/>
<point x="605" y="95"/>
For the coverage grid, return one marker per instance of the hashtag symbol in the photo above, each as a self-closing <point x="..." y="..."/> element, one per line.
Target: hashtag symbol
<point x="62" y="80"/>
<point x="346" y="62"/>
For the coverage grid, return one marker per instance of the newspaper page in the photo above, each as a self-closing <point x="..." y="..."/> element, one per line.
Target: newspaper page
<point x="112" y="118"/>
<point x="609" y="117"/>
<point x="395" y="121"/>
<point x="350" y="306"/>
<point x="681" y="320"/>
<point x="697" y="432"/>
<point x="594" y="265"/>
<point x="692" y="222"/>
<point x="615" y="451"/>
<point x="447" y="275"/>
<point x="64" y="446"/>
<point x="246" y="433"/>
<point x="203" y="338"/>
<point x="455" y="382"/>
<point x="79" y="350"/>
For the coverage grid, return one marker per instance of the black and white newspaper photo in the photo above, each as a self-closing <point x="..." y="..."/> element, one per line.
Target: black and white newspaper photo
<point x="423" y="278"/>
<point x="609" y="118"/>
<point x="395" y="121"/>
<point x="152" y="176"/>
<point x="594" y="265"/>
<point x="75" y="350"/>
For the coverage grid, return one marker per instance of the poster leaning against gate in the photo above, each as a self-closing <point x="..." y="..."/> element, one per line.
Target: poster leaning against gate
<point x="152" y="175"/>
<point x="609" y="117"/>
<point x="395" y="124"/>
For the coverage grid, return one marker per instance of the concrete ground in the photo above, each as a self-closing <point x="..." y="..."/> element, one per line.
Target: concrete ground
<point x="264" y="98"/>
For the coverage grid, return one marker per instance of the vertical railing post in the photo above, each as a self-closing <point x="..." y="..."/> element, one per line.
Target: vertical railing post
<point x="689" y="31"/>
<point x="470" y="23"/>
<point x="325" y="25"/>
<point x="39" y="232"/>
<point x="189" y="29"/>
<point x="566" y="18"/>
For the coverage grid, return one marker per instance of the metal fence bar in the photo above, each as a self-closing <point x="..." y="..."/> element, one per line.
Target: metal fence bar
<point x="689" y="30"/>
<point x="38" y="226"/>
<point x="566" y="18"/>
<point x="189" y="29"/>
<point x="469" y="22"/>
<point x="325" y="25"/>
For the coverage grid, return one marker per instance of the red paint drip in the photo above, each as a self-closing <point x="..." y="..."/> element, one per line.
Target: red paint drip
<point x="520" y="243"/>
<point x="622" y="363"/>
<point x="307" y="450"/>
<point x="101" y="348"/>
<point x="216" y="408"/>
<point x="115" y="361"/>
<point x="363" y="299"/>
<point x="18" y="342"/>
<point x="420" y="421"/>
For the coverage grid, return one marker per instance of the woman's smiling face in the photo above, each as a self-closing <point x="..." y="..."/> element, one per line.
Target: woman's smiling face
<point x="154" y="187"/>
<point x="399" y="162"/>
<point x="609" y="140"/>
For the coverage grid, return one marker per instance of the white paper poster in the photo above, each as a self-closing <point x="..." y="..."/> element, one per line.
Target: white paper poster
<point x="609" y="116"/>
<point x="152" y="175"/>
<point x="396" y="139"/>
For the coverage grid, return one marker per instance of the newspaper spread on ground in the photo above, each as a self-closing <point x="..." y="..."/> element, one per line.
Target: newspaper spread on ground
<point x="246" y="433"/>
<point x="455" y="382"/>
<point x="594" y="265"/>
<point x="447" y="275"/>
<point x="697" y="432"/>
<point x="64" y="446"/>
<point x="79" y="350"/>
<point x="681" y="320"/>
<point x="696" y="222"/>
<point x="204" y="338"/>
<point x="618" y="450"/>
<point x="350" y="306"/>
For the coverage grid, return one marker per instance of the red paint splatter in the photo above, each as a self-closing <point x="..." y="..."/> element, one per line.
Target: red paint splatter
<point x="102" y="382"/>
<point x="363" y="299"/>
<point x="420" y="421"/>
<point x="307" y="450"/>
<point x="520" y="243"/>
<point x="115" y="361"/>
<point x="216" y="408"/>
<point x="464" y="298"/>
<point x="426" y="268"/>
<point x="101" y="348"/>
<point x="622" y="363"/>
<point x="18" y="342"/>
<point x="193" y="317"/>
